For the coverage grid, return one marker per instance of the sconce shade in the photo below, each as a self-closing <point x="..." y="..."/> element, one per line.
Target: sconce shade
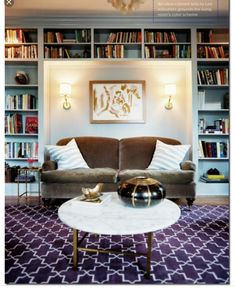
<point x="170" y="89"/>
<point x="65" y="89"/>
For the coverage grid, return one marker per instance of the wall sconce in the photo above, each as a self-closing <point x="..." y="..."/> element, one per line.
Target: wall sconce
<point x="170" y="90"/>
<point x="65" y="91"/>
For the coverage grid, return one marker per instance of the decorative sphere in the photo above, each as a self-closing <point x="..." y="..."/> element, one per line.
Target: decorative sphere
<point x="141" y="192"/>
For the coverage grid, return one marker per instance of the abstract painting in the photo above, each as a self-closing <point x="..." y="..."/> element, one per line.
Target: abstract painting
<point x="119" y="101"/>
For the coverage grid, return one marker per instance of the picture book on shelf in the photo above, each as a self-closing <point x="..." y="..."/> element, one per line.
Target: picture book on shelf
<point x="31" y="124"/>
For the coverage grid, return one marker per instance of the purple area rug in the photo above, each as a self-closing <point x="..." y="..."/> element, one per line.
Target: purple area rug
<point x="195" y="250"/>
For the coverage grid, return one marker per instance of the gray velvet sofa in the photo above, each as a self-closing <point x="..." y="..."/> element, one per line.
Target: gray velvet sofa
<point x="112" y="161"/>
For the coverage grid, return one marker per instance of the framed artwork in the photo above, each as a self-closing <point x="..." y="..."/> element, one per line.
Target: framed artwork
<point x="119" y="101"/>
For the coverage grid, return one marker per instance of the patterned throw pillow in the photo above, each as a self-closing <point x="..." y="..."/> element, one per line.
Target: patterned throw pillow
<point x="67" y="156"/>
<point x="168" y="157"/>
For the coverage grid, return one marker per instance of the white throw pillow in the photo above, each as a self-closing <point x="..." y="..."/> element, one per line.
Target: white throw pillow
<point x="67" y="156"/>
<point x="168" y="157"/>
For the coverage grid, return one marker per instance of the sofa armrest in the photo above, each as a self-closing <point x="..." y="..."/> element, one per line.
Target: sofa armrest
<point x="49" y="165"/>
<point x="188" y="165"/>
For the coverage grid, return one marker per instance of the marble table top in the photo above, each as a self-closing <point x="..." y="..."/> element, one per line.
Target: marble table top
<point x="114" y="217"/>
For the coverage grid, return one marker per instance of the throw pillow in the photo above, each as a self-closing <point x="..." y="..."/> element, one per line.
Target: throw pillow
<point x="67" y="156"/>
<point x="168" y="157"/>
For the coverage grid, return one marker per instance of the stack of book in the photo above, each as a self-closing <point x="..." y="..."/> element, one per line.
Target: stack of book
<point x="214" y="178"/>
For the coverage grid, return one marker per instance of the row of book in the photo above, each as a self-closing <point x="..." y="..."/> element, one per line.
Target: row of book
<point x="14" y="150"/>
<point x="213" y="149"/>
<point x="212" y="52"/>
<point x="220" y="126"/>
<point x="109" y="51"/>
<point x="160" y="37"/>
<point x="205" y="36"/>
<point x="61" y="52"/>
<point x="80" y="36"/>
<point x="211" y="37"/>
<point x="56" y="52"/>
<point x="124" y="37"/>
<point x="13" y="36"/>
<point x="213" y="77"/>
<point x="16" y="123"/>
<point x="29" y="52"/>
<point x="21" y="101"/>
<point x="176" y="51"/>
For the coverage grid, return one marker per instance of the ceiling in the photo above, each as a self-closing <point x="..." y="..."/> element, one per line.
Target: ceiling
<point x="55" y="8"/>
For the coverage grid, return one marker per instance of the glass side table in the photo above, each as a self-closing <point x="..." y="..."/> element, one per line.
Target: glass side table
<point x="24" y="177"/>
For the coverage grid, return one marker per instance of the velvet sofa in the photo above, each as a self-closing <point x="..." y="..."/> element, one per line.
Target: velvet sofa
<point x="112" y="161"/>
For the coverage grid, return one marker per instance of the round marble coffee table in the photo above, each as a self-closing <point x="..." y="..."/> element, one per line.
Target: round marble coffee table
<point x="113" y="217"/>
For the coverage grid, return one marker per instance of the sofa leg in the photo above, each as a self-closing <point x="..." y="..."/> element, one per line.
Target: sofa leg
<point x="190" y="202"/>
<point x="46" y="202"/>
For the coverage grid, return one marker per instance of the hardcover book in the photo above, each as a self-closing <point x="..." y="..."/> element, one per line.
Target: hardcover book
<point x="31" y="124"/>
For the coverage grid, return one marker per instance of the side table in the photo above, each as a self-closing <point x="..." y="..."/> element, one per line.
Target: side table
<point x="27" y="171"/>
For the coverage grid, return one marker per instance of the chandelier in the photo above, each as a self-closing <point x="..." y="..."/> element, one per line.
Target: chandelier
<point x="126" y="6"/>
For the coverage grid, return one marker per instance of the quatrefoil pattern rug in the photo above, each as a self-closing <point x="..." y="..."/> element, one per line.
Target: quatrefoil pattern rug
<point x="195" y="250"/>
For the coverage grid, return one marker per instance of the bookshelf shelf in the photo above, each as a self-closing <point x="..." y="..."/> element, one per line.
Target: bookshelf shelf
<point x="212" y="60"/>
<point x="22" y="110"/>
<point x="21" y="86"/>
<point x="213" y="110"/>
<point x="19" y="159"/>
<point x="114" y="44"/>
<point x="213" y="44"/>
<point x="213" y="134"/>
<point x="166" y="43"/>
<point x="213" y="159"/>
<point x="213" y="86"/>
<point x="21" y="134"/>
<point x="213" y="100"/>
<point x="20" y="60"/>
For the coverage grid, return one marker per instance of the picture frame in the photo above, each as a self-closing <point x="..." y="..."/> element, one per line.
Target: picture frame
<point x="117" y="101"/>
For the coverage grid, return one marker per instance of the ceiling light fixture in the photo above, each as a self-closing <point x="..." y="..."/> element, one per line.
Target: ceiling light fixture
<point x="126" y="6"/>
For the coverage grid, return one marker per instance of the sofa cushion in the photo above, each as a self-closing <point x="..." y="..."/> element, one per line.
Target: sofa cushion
<point x="163" y="176"/>
<point x="98" y="152"/>
<point x="137" y="152"/>
<point x="81" y="175"/>
<point x="168" y="157"/>
<point x="67" y="156"/>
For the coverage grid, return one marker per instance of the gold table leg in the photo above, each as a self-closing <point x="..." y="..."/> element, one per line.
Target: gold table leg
<point x="149" y="253"/>
<point x="76" y="243"/>
<point x="75" y="248"/>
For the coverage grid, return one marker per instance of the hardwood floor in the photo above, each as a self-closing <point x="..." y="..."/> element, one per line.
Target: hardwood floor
<point x="209" y="200"/>
<point x="201" y="200"/>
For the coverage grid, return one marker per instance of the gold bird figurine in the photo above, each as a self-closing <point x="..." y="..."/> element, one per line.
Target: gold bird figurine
<point x="92" y="193"/>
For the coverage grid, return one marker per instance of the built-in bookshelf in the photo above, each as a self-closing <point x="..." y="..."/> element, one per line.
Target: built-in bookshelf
<point x="208" y="50"/>
<point x="213" y="102"/>
<point x="117" y="43"/>
<point x="21" y="95"/>
<point x="167" y="43"/>
<point x="67" y="43"/>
